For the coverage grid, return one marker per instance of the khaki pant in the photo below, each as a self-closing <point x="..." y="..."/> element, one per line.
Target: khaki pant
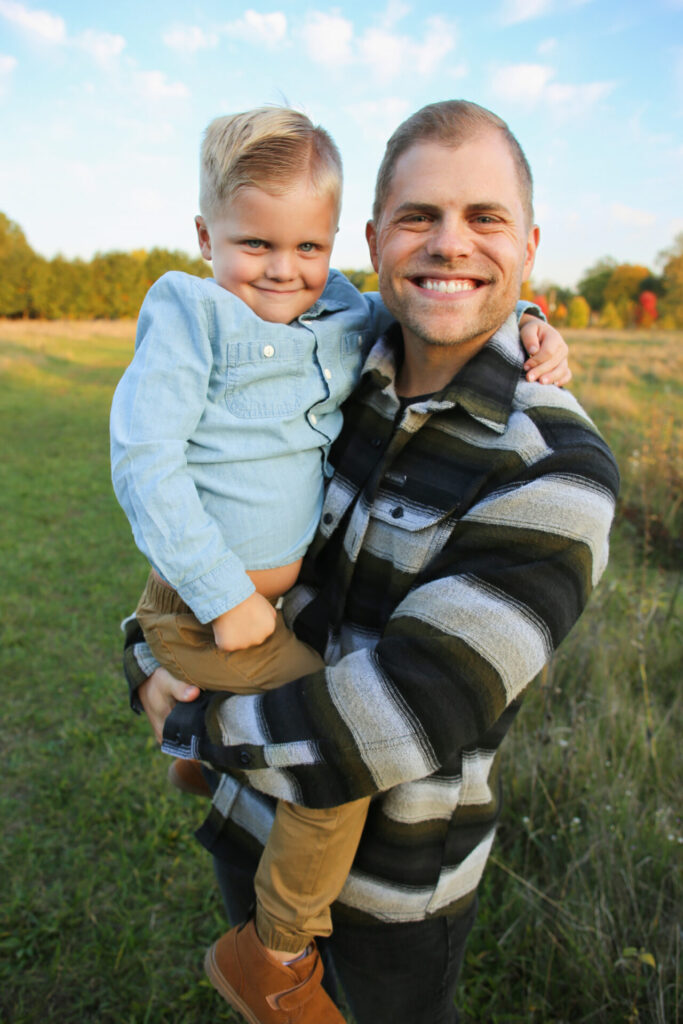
<point x="309" y="851"/>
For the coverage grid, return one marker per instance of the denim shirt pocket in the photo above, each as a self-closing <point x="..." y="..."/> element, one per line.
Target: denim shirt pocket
<point x="264" y="379"/>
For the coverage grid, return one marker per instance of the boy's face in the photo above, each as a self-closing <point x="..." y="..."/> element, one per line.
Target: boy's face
<point x="272" y="251"/>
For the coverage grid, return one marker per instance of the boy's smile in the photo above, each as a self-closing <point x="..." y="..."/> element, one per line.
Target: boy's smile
<point x="272" y="251"/>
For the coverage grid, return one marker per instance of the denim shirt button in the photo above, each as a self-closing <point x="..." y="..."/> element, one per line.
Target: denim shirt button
<point x="268" y="351"/>
<point x="244" y="758"/>
<point x="397" y="513"/>
<point x="327" y="518"/>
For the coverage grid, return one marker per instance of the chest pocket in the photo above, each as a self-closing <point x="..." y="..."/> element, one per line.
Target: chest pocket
<point x="265" y="379"/>
<point x="408" y="535"/>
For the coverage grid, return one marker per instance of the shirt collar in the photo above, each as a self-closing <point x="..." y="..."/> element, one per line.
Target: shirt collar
<point x="484" y="387"/>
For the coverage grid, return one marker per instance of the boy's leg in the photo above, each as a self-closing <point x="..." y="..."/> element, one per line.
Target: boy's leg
<point x="186" y="648"/>
<point x="302" y="871"/>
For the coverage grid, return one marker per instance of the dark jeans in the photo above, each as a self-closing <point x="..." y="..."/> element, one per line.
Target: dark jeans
<point x="390" y="973"/>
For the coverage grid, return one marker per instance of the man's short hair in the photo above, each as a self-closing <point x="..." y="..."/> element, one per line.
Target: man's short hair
<point x="271" y="148"/>
<point x="451" y="122"/>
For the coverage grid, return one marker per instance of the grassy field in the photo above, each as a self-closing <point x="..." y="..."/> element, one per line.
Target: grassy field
<point x="108" y="902"/>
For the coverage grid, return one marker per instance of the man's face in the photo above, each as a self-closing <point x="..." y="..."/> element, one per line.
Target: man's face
<point x="452" y="245"/>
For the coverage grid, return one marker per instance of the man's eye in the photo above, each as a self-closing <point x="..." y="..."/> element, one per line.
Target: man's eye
<point x="486" y="218"/>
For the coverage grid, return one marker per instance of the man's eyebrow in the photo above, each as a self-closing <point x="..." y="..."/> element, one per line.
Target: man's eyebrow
<point x="489" y="206"/>
<point x="411" y="206"/>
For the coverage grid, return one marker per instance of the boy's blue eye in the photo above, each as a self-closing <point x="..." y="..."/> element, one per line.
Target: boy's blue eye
<point x="307" y="246"/>
<point x="253" y="243"/>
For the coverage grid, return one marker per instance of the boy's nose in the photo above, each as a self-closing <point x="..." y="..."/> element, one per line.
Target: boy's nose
<point x="280" y="267"/>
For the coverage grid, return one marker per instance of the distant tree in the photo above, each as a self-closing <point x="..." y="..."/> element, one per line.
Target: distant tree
<point x="160" y="261"/>
<point x="364" y="280"/>
<point x="625" y="283"/>
<point x="542" y="303"/>
<point x="17" y="265"/>
<point x="646" y="313"/>
<point x="671" y="304"/>
<point x="594" y="281"/>
<point x="579" y="312"/>
<point x="610" y="317"/>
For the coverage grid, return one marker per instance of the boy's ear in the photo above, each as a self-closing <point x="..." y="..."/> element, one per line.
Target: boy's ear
<point x="203" y="237"/>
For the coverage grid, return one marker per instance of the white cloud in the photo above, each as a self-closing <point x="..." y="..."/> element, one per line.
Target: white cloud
<point x="378" y="118"/>
<point x="154" y="85"/>
<point x="327" y="38"/>
<point x="521" y="83"/>
<point x="7" y="66"/>
<point x="514" y="11"/>
<point x="394" y="12"/>
<point x="631" y="217"/>
<point x="103" y="47"/>
<point x="578" y="97"/>
<point x="189" y="38"/>
<point x="439" y="39"/>
<point x="50" y="28"/>
<point x="547" y="46"/>
<point x="531" y="84"/>
<point x="263" y="29"/>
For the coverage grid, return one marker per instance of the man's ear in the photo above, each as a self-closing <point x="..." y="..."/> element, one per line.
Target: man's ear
<point x="532" y="241"/>
<point x="371" y="238"/>
<point x="203" y="237"/>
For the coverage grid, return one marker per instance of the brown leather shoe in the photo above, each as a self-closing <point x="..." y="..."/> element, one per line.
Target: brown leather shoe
<point x="187" y="776"/>
<point x="263" y="990"/>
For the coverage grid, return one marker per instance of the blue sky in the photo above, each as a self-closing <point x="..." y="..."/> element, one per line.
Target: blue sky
<point x="102" y="109"/>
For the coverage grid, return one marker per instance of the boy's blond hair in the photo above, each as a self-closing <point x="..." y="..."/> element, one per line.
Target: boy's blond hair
<point x="270" y="148"/>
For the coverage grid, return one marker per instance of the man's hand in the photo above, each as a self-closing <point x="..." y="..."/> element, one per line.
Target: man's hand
<point x="159" y="695"/>
<point x="246" y="625"/>
<point x="547" y="351"/>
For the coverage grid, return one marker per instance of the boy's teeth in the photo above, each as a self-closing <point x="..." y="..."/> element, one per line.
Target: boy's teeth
<point x="447" y="286"/>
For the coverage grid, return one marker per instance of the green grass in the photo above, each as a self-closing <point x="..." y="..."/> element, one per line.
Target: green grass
<point x="108" y="901"/>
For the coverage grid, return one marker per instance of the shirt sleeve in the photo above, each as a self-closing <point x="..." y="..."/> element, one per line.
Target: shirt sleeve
<point x="155" y="411"/>
<point x="455" y="656"/>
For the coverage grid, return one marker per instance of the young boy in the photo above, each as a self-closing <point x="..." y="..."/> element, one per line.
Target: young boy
<point x="220" y="432"/>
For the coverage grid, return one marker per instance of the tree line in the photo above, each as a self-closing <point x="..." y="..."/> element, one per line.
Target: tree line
<point x="112" y="285"/>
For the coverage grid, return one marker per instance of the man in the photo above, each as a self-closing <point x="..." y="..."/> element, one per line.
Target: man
<point x="462" y="533"/>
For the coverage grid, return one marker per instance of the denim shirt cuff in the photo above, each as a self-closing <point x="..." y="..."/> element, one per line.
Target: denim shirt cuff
<point x="219" y="590"/>
<point x="523" y="306"/>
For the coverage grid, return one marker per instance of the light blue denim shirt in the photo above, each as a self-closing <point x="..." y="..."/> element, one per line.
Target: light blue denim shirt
<point x="220" y="428"/>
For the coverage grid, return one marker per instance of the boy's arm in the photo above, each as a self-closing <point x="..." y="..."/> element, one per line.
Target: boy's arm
<point x="546" y="348"/>
<point x="156" y="409"/>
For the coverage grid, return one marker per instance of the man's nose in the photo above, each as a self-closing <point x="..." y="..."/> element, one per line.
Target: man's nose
<point x="280" y="266"/>
<point x="450" y="239"/>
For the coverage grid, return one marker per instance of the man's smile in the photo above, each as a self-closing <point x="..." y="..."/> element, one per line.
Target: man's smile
<point x="447" y="285"/>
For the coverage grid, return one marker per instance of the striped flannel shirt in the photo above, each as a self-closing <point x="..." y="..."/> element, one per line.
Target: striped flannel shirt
<point x="459" y="542"/>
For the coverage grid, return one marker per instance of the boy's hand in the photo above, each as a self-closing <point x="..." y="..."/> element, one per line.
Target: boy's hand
<point x="547" y="349"/>
<point x="246" y="625"/>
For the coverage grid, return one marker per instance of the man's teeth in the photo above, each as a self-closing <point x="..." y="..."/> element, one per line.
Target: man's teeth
<point x="447" y="287"/>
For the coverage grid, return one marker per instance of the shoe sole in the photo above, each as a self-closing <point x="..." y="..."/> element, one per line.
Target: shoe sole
<point x="227" y="991"/>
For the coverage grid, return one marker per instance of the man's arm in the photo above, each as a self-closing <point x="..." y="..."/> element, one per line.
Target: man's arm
<point x="459" y="649"/>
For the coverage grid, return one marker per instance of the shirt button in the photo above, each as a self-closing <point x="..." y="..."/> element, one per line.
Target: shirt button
<point x="328" y="517"/>
<point x="327" y="374"/>
<point x="268" y="351"/>
<point x="397" y="513"/>
<point x="313" y="418"/>
<point x="244" y="758"/>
